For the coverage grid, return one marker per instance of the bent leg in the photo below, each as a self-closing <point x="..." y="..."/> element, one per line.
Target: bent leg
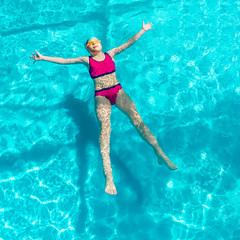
<point x="103" y="110"/>
<point x="125" y="104"/>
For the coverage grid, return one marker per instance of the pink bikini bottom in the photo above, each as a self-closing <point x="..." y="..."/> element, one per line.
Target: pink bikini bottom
<point x="109" y="93"/>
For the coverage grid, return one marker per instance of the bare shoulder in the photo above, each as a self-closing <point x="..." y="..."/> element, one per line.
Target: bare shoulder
<point x="82" y="60"/>
<point x="117" y="50"/>
<point x="112" y="53"/>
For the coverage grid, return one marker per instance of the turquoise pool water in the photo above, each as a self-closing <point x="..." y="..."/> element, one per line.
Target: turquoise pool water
<point x="184" y="78"/>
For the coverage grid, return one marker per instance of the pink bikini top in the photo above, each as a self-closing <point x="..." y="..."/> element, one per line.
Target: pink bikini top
<point x="101" y="68"/>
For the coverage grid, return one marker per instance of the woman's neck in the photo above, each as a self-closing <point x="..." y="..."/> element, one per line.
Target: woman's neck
<point x="98" y="55"/>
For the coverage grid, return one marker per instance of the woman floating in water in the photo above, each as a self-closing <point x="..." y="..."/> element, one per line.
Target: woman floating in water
<point x="108" y="92"/>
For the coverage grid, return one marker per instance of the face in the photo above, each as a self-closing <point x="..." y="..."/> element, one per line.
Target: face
<point x="95" y="46"/>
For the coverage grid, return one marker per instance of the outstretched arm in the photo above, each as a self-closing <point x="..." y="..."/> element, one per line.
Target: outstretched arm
<point x="131" y="41"/>
<point x="38" y="57"/>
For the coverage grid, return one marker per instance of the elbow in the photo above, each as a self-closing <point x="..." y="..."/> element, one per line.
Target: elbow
<point x="64" y="61"/>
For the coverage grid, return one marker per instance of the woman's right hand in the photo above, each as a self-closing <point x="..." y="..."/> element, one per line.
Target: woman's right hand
<point x="147" y="26"/>
<point x="36" y="56"/>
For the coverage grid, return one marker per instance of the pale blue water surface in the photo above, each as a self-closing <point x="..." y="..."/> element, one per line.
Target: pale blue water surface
<point x="184" y="78"/>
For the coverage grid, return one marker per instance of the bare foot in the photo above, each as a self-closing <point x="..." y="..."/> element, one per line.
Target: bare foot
<point x="165" y="160"/>
<point x="110" y="187"/>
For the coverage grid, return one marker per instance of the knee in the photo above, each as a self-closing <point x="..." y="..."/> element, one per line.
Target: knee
<point x="136" y="119"/>
<point x="105" y="126"/>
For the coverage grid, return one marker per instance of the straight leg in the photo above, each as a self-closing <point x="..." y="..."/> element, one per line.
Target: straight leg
<point x="126" y="105"/>
<point x="103" y="110"/>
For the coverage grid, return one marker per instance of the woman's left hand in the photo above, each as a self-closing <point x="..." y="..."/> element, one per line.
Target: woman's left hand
<point x="147" y="26"/>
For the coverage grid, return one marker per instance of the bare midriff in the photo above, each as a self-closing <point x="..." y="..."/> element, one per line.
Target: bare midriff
<point x="105" y="81"/>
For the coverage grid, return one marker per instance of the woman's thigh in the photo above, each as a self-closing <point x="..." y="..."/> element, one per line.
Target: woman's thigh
<point x="125" y="103"/>
<point x="103" y="109"/>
